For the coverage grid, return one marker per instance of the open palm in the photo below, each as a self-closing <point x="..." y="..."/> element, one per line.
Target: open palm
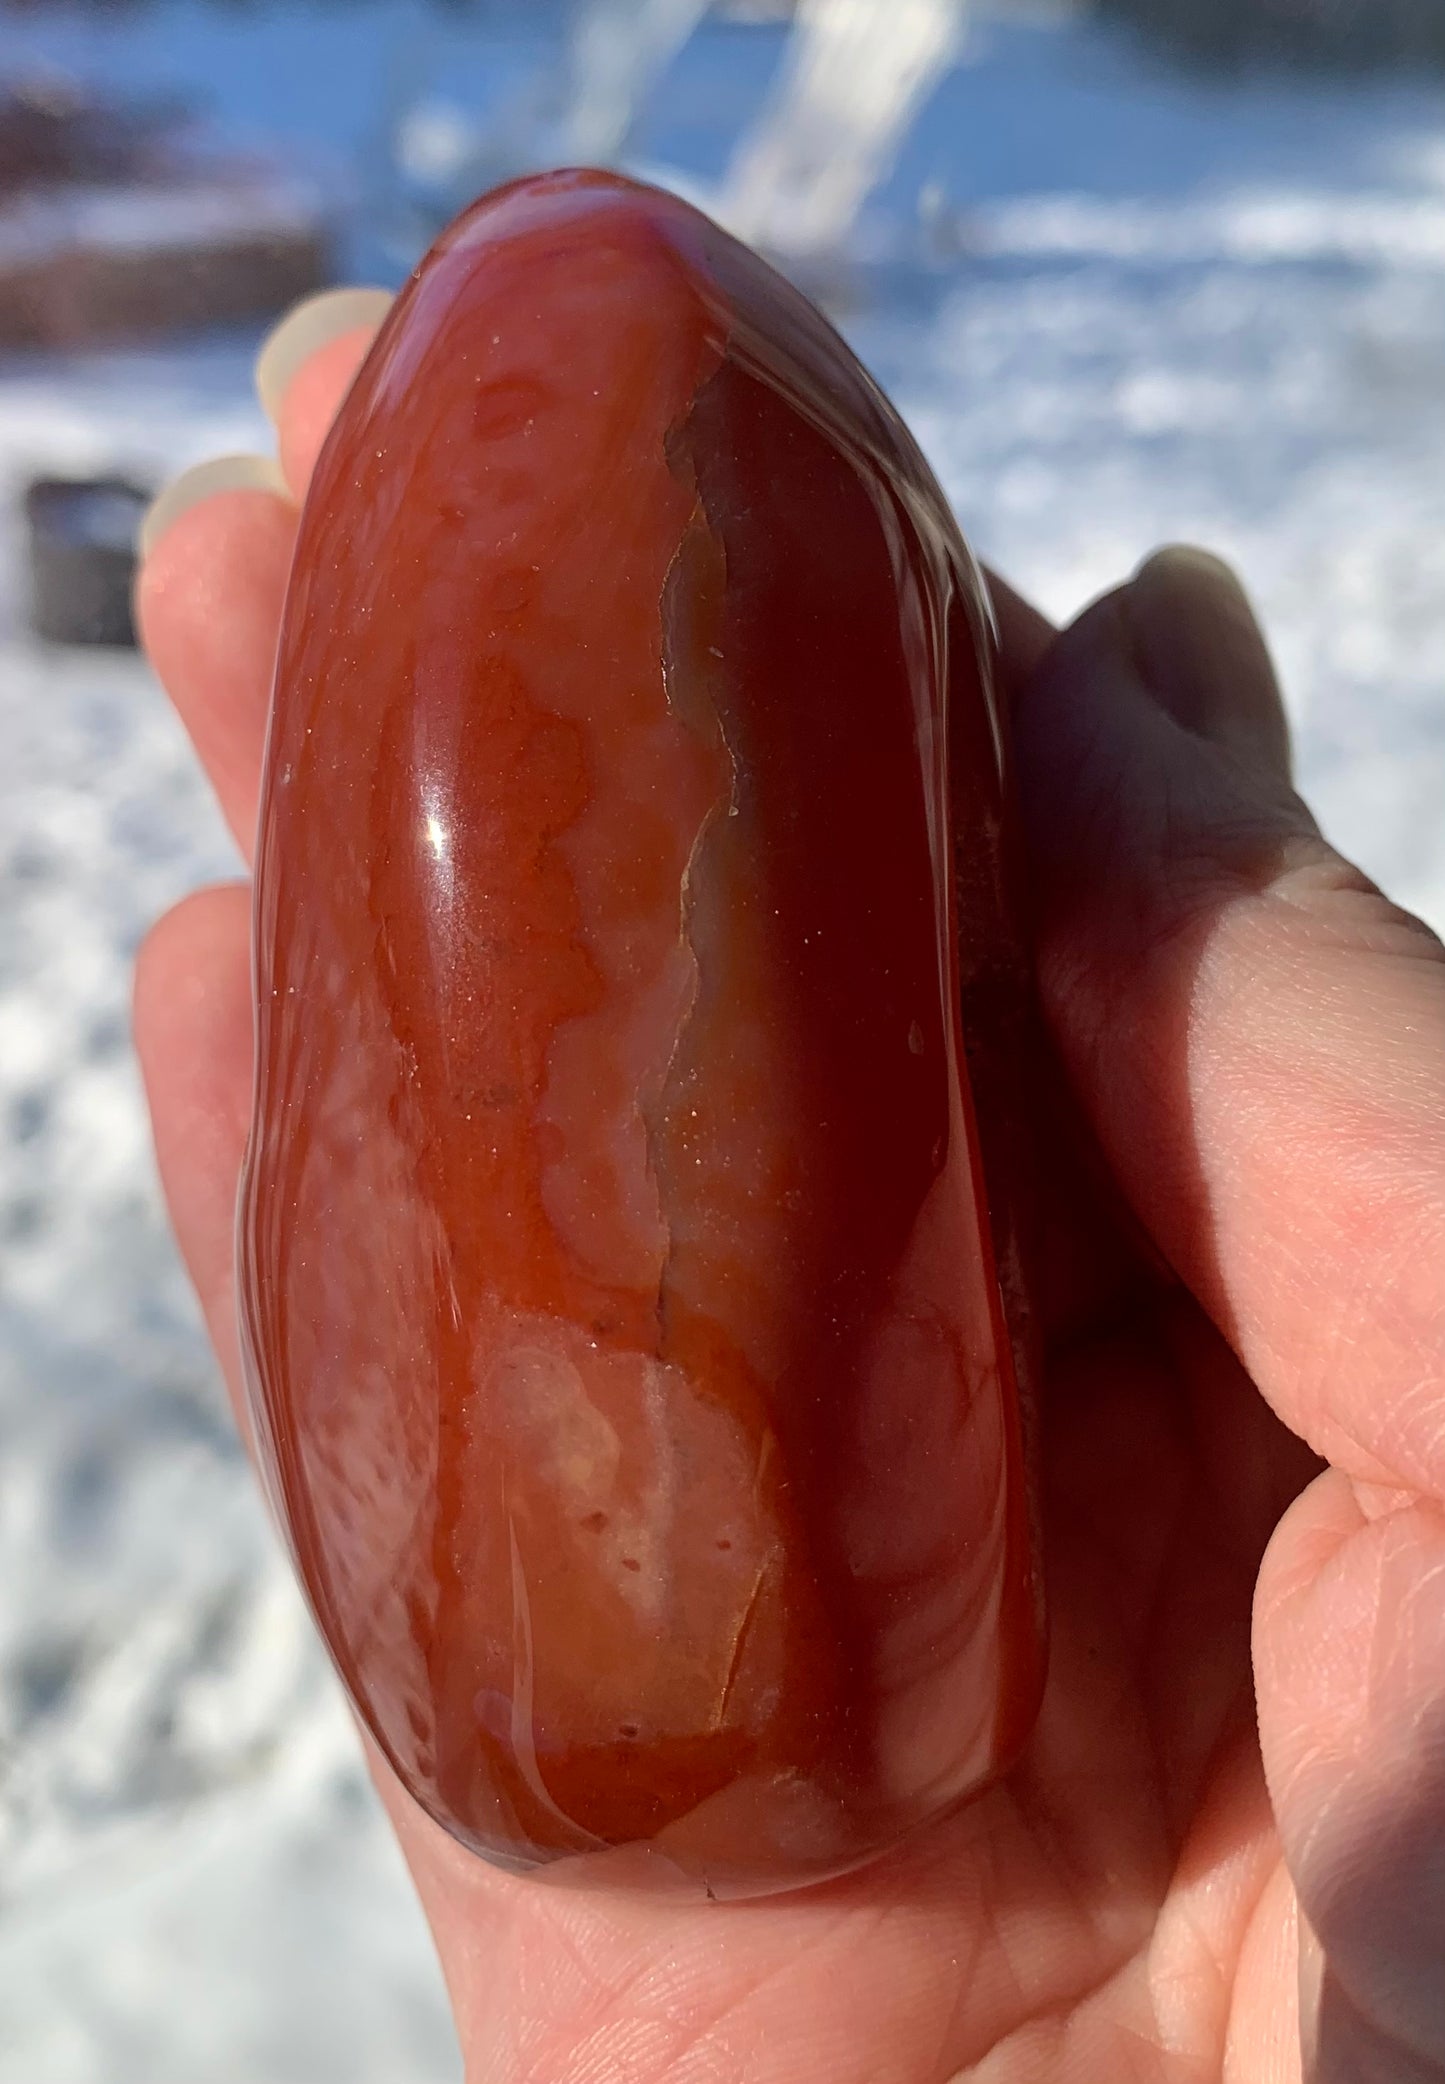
<point x="1246" y="1128"/>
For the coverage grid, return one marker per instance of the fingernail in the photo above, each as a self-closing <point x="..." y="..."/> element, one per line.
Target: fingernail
<point x="203" y="481"/>
<point x="306" y="328"/>
<point x="1204" y="656"/>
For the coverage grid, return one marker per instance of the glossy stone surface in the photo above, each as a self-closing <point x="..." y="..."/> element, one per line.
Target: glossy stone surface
<point x="621" y="1262"/>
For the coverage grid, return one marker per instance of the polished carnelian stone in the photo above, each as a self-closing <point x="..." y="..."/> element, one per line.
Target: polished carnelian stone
<point x="623" y="1270"/>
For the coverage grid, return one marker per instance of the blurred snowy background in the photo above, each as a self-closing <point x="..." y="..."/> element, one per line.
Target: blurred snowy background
<point x="1119" y="300"/>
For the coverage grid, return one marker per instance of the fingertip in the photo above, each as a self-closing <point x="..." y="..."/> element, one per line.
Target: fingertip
<point x="312" y="403"/>
<point x="1185" y="562"/>
<point x="1203" y="654"/>
<point x="208" y="606"/>
<point x="1152" y="742"/>
<point x="243" y="472"/>
<point x="307" y="366"/>
<point x="308" y="327"/>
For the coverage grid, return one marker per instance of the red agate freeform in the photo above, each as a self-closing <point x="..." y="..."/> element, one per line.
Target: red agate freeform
<point x="629" y="1284"/>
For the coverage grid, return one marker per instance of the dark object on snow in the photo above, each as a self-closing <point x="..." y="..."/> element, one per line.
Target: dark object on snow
<point x="83" y="558"/>
<point x="1342" y="35"/>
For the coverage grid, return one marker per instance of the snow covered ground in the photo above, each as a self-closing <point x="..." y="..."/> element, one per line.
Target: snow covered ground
<point x="1179" y="311"/>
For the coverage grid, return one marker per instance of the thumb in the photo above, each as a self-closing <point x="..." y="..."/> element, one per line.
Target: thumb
<point x="1258" y="1037"/>
<point x="1256" y="1034"/>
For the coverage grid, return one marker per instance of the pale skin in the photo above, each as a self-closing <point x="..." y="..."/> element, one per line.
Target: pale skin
<point x="1226" y="1839"/>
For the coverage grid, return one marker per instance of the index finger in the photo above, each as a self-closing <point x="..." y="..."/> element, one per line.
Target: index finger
<point x="1258" y="1036"/>
<point x="217" y="551"/>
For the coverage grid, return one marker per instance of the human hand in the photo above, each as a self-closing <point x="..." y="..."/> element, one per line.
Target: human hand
<point x="1236" y="1790"/>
